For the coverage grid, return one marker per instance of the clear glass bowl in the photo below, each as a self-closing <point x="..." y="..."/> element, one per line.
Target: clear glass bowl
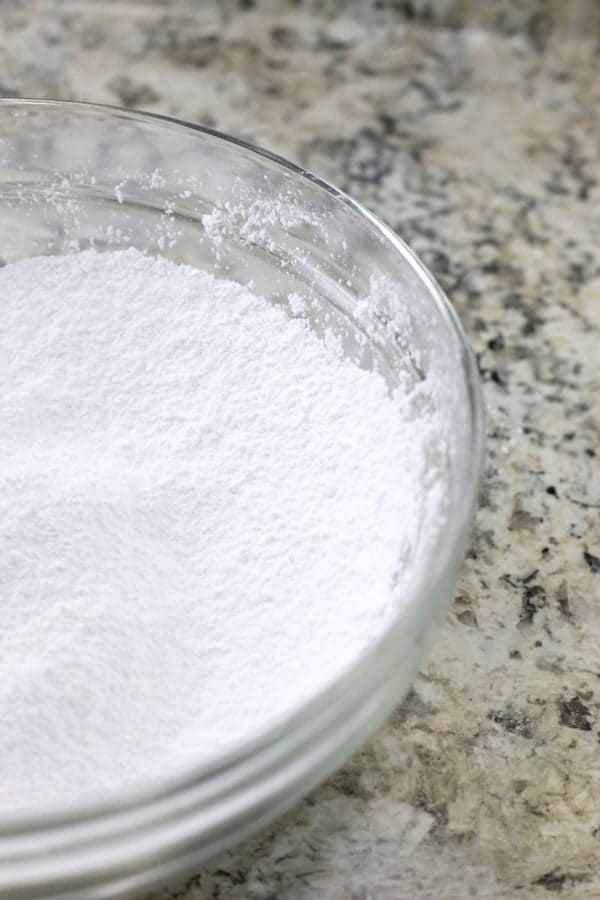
<point x="76" y="175"/>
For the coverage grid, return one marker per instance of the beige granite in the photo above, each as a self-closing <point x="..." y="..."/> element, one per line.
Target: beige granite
<point x="474" y="130"/>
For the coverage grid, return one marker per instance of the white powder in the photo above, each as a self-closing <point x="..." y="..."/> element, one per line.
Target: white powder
<point x="202" y="512"/>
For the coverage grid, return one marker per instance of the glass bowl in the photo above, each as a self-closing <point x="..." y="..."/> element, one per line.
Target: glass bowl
<point x="74" y="176"/>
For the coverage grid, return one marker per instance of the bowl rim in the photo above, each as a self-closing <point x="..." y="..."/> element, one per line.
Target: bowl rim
<point x="152" y="792"/>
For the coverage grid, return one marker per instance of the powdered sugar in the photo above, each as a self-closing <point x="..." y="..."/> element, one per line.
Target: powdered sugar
<point x="205" y="515"/>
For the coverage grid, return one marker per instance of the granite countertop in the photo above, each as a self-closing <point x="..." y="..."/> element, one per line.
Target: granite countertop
<point x="473" y="129"/>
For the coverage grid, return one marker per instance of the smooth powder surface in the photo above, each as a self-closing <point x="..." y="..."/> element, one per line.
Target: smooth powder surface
<point x="202" y="512"/>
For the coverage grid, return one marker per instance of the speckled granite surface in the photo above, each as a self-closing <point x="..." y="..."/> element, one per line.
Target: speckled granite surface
<point x="474" y="130"/>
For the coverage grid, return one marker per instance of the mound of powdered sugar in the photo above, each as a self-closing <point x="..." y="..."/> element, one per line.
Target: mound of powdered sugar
<point x="202" y="512"/>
